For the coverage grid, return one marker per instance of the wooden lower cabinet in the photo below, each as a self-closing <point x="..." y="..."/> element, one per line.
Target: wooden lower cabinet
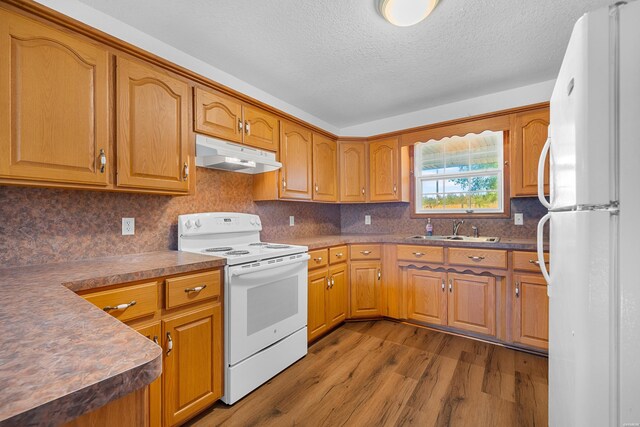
<point x="337" y="295"/>
<point x="327" y="299"/>
<point x="366" y="292"/>
<point x="530" y="310"/>
<point x="193" y="368"/>
<point x="154" y="333"/>
<point x="472" y="303"/>
<point x="427" y="293"/>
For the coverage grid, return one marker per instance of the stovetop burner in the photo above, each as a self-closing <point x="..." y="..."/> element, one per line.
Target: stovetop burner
<point x="241" y="252"/>
<point x="277" y="246"/>
<point x="220" y="249"/>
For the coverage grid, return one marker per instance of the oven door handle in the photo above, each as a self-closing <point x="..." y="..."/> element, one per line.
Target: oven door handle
<point x="239" y="271"/>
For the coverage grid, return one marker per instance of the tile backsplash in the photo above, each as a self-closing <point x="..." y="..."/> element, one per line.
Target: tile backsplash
<point x="39" y="225"/>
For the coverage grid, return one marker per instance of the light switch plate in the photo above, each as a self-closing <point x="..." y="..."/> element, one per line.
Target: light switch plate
<point x="518" y="219"/>
<point x="292" y="221"/>
<point x="367" y="220"/>
<point x="128" y="226"/>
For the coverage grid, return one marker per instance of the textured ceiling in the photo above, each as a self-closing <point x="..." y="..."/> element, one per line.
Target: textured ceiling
<point x="340" y="61"/>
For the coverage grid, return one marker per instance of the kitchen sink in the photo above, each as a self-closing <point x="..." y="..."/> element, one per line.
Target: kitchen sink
<point x="458" y="238"/>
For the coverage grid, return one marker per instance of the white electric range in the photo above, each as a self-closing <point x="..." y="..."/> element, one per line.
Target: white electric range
<point x="265" y="294"/>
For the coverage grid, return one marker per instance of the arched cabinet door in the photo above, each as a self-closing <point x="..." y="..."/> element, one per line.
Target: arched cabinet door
<point x="384" y="169"/>
<point x="54" y="112"/>
<point x="153" y="130"/>
<point x="353" y="171"/>
<point x="217" y="115"/>
<point x="530" y="134"/>
<point x="325" y="169"/>
<point x="295" y="156"/>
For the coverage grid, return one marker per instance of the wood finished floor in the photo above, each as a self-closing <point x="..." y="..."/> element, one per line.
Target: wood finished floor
<point x="382" y="373"/>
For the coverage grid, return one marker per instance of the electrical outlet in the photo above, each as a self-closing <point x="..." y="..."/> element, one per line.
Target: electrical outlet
<point x="367" y="220"/>
<point x="292" y="221"/>
<point x="128" y="226"/>
<point x="518" y="219"/>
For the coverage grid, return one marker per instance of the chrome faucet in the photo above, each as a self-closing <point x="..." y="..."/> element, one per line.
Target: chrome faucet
<point x="456" y="225"/>
<point x="476" y="234"/>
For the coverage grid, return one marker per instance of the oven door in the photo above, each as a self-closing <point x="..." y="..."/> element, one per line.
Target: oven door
<point x="267" y="301"/>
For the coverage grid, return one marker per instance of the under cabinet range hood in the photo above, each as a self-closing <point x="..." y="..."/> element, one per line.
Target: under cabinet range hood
<point x="218" y="154"/>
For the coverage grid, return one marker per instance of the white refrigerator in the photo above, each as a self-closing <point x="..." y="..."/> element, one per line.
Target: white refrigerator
<point x="594" y="224"/>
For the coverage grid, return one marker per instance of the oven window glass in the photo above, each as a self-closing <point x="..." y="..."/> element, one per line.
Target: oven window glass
<point x="271" y="303"/>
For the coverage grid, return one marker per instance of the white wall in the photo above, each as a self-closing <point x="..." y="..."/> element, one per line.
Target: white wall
<point x="532" y="94"/>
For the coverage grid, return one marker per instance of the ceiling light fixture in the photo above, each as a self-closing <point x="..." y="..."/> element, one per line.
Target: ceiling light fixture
<point x="405" y="13"/>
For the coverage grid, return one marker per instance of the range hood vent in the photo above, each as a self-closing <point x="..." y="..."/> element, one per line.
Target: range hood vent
<point x="218" y="154"/>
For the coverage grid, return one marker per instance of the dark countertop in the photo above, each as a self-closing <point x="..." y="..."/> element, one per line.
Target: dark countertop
<point x="61" y="356"/>
<point x="317" y="242"/>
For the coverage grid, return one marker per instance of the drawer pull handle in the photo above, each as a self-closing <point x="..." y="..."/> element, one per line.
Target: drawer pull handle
<point x="169" y="343"/>
<point x="363" y="191"/>
<point x="379" y="274"/>
<point x="247" y="127"/>
<point x="443" y="285"/>
<point x="103" y="160"/>
<point x="339" y="255"/>
<point x="155" y="340"/>
<point x="319" y="259"/>
<point x="534" y="261"/>
<point x="418" y="254"/>
<point x="328" y="283"/>
<point x="196" y="289"/>
<point x="476" y="258"/>
<point x="119" y="306"/>
<point x="185" y="171"/>
<point x="450" y="285"/>
<point x="332" y="282"/>
<point x="365" y="252"/>
<point x="517" y="289"/>
<point x="240" y="125"/>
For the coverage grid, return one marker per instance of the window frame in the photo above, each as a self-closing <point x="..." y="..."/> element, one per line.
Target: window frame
<point x="506" y="199"/>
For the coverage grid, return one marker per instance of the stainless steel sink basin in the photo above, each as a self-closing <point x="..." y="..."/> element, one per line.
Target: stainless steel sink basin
<point x="458" y="238"/>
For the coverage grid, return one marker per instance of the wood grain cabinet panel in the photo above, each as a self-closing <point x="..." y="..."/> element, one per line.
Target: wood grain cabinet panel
<point x="365" y="293"/>
<point x="427" y="296"/>
<point x="528" y="261"/>
<point x="530" y="134"/>
<point x="431" y="254"/>
<point x="490" y="258"/>
<point x="217" y="115"/>
<point x="325" y="169"/>
<point x="261" y="129"/>
<point x="193" y="368"/>
<point x="296" y="158"/>
<point x="472" y="303"/>
<point x="154" y="332"/>
<point x="352" y="158"/>
<point x="54" y="108"/>
<point x="153" y="132"/>
<point x="338" y="254"/>
<point x="192" y="288"/>
<point x="318" y="285"/>
<point x="365" y="251"/>
<point x="530" y="310"/>
<point x="338" y="294"/>
<point x="318" y="258"/>
<point x="384" y="170"/>
<point x="126" y="303"/>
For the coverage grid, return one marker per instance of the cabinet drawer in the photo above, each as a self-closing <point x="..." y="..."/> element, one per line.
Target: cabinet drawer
<point x="194" y="287"/>
<point x="318" y="258"/>
<point x="478" y="257"/>
<point x="338" y="254"/>
<point x="528" y="261"/>
<point x="128" y="302"/>
<point x="421" y="253"/>
<point x="359" y="252"/>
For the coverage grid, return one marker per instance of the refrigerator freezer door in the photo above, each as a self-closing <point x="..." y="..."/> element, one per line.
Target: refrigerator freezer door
<point x="580" y="129"/>
<point x="580" y="318"/>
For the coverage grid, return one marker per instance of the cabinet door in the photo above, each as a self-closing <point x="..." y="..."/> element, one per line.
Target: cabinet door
<point x="338" y="295"/>
<point x="353" y="172"/>
<point x="54" y="104"/>
<point x="472" y="303"/>
<point x="366" y="292"/>
<point x="325" y="169"/>
<point x="193" y="368"/>
<point x="153" y="332"/>
<point x="530" y="310"/>
<point x="317" y="303"/>
<point x="261" y="129"/>
<point x="295" y="155"/>
<point x="153" y="132"/>
<point x="531" y="130"/>
<point x="383" y="170"/>
<point x="427" y="296"/>
<point x="217" y="115"/>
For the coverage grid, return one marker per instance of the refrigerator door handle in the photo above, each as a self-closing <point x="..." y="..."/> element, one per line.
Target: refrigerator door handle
<point x="540" y="246"/>
<point x="541" y="161"/>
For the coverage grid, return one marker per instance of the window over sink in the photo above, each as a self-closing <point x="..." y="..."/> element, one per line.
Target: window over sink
<point x="460" y="174"/>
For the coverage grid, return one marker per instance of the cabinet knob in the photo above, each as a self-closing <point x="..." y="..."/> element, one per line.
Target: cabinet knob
<point x="363" y="191"/>
<point x="284" y="183"/>
<point x="339" y="255"/>
<point x="316" y="187"/>
<point x="395" y="188"/>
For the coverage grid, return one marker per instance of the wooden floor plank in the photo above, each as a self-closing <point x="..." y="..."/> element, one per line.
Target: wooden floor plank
<point x="382" y="373"/>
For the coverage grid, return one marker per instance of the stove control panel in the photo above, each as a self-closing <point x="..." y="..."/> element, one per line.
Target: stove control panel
<point x="217" y="223"/>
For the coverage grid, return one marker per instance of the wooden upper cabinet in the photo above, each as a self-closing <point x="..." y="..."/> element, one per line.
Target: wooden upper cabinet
<point x="217" y="115"/>
<point x="530" y="310"/>
<point x="260" y="129"/>
<point x="427" y="296"/>
<point x="54" y="104"/>
<point x="296" y="158"/>
<point x="352" y="158"/>
<point x="472" y="303"/>
<point x="325" y="169"/>
<point x="153" y="140"/>
<point x="384" y="170"/>
<point x="530" y="131"/>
